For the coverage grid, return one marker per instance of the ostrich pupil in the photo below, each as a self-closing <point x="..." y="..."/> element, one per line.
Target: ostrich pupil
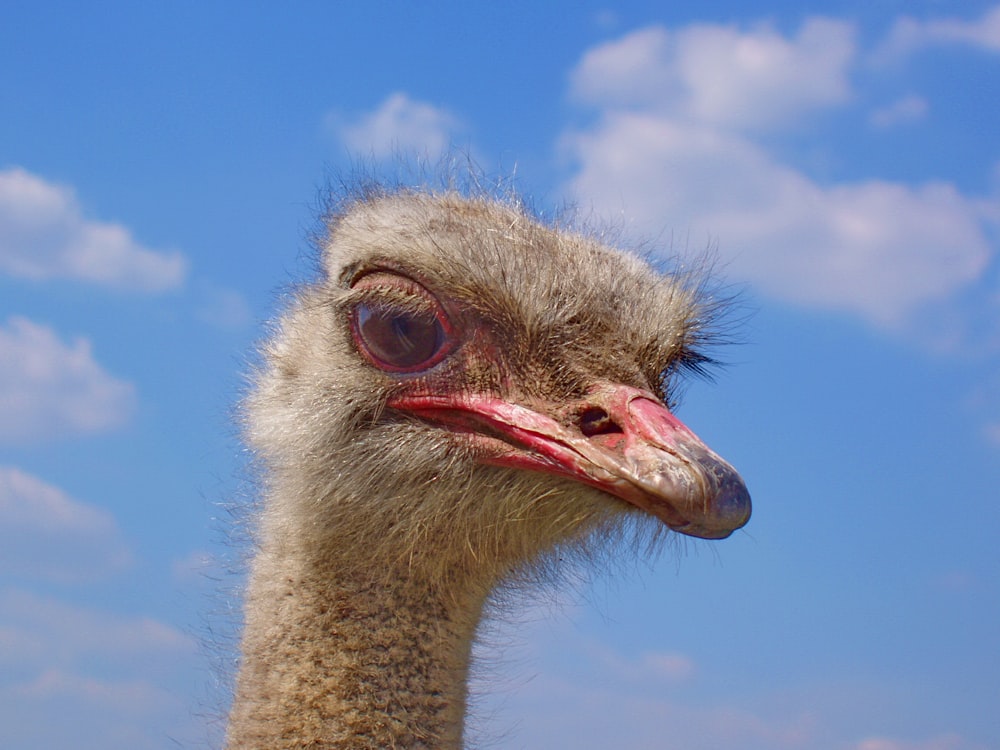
<point x="399" y="338"/>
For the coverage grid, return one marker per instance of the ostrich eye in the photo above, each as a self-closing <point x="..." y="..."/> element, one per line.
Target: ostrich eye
<point x="398" y="324"/>
<point x="397" y="339"/>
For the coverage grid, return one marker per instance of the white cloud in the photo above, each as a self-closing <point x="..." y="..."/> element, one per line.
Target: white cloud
<point x="909" y="35"/>
<point x="906" y="109"/>
<point x="670" y="154"/>
<point x="45" y="534"/>
<point x="50" y="389"/>
<point x="720" y="75"/>
<point x="44" y="235"/>
<point x="399" y="125"/>
<point x="875" y="248"/>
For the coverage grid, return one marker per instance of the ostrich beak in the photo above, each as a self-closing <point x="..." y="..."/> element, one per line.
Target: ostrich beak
<point x="619" y="439"/>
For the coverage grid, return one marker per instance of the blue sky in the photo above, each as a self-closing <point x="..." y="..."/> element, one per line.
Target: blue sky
<point x="160" y="169"/>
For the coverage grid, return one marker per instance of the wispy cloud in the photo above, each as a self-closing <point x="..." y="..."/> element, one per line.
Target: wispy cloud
<point x="650" y="667"/>
<point x="111" y="679"/>
<point x="127" y="696"/>
<point x="946" y="742"/>
<point x="64" y="709"/>
<point x="398" y="125"/>
<point x="598" y="697"/>
<point x="44" y="235"/>
<point x="198" y="568"/>
<point x="45" y="534"/>
<point x="221" y="307"/>
<point x="910" y="35"/>
<point x="677" y="145"/>
<point x="51" y="389"/>
<point x="903" y="110"/>
<point x="51" y="634"/>
<point x="594" y="695"/>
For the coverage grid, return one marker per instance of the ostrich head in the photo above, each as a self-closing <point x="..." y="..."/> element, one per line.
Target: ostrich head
<point x="466" y="389"/>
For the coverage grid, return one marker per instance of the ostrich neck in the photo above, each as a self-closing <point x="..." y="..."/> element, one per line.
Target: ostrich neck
<point x="359" y="661"/>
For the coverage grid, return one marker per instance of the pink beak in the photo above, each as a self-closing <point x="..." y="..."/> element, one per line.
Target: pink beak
<point x="619" y="439"/>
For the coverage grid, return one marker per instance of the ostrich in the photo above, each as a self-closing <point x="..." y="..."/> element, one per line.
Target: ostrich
<point x="464" y="395"/>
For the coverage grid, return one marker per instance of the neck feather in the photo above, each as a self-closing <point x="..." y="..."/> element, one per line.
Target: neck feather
<point x="356" y="661"/>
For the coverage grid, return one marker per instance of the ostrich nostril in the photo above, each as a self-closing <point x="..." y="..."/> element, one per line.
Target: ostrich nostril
<point x="596" y="421"/>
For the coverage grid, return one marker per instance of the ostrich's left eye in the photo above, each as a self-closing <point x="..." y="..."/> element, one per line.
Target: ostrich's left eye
<point x="397" y="339"/>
